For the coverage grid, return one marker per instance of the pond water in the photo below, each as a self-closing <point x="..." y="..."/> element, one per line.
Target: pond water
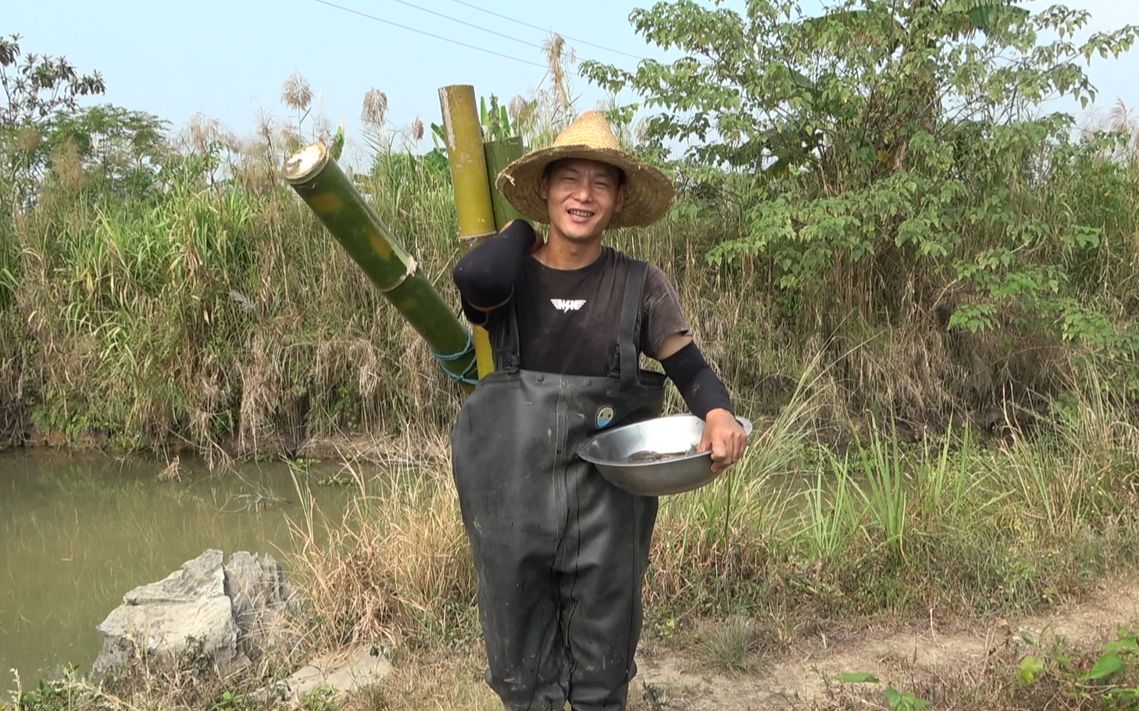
<point x="79" y="530"/>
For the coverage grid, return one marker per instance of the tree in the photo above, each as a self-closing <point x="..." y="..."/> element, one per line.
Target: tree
<point x="40" y="86"/>
<point x="36" y="90"/>
<point x="890" y="157"/>
<point x="41" y="121"/>
<point x="119" y="149"/>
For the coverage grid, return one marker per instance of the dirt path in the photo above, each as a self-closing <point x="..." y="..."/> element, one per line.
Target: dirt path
<point x="796" y="680"/>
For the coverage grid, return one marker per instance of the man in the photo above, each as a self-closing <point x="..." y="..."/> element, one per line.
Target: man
<point x="561" y="553"/>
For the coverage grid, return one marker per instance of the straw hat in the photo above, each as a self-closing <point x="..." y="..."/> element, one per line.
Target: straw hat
<point x="648" y="193"/>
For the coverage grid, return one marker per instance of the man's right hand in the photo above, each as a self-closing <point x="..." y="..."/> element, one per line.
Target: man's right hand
<point x="724" y="436"/>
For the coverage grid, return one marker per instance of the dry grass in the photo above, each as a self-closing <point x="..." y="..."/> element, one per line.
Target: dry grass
<point x="217" y="315"/>
<point x="432" y="681"/>
<point x="735" y="643"/>
<point x="397" y="568"/>
<point x="189" y="682"/>
<point x="11" y="383"/>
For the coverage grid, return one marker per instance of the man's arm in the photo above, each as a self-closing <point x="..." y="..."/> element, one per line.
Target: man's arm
<point x="706" y="397"/>
<point x="485" y="276"/>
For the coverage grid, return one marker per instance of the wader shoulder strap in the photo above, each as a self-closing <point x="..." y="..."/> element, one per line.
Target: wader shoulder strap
<point x="507" y="352"/>
<point x="627" y="337"/>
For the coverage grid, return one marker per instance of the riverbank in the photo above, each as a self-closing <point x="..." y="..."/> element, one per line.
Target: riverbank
<point x="801" y="542"/>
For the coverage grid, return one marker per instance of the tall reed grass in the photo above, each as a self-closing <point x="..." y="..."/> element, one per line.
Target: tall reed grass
<point x="218" y="315"/>
<point x="215" y="312"/>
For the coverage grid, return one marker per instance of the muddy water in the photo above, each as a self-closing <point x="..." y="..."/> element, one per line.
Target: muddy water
<point x="77" y="531"/>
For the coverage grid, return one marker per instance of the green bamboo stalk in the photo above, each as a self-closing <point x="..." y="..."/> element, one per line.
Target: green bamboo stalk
<point x="325" y="188"/>
<point x="473" y="206"/>
<point x="499" y="154"/>
<point x="468" y="162"/>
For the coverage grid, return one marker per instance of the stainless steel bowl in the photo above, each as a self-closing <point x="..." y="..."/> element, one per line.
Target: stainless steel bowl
<point x="654" y="457"/>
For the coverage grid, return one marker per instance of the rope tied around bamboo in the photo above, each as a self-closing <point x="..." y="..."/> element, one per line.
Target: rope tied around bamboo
<point x="470" y="375"/>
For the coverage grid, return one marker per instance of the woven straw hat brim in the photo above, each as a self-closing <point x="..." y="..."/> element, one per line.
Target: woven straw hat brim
<point x="648" y="192"/>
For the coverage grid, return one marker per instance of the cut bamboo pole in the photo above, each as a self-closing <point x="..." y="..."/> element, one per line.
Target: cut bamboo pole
<point x="325" y="188"/>
<point x="473" y="206"/>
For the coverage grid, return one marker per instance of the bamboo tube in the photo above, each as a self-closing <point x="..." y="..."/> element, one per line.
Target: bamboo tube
<point x="472" y="189"/>
<point x="317" y="178"/>
<point x="499" y="154"/>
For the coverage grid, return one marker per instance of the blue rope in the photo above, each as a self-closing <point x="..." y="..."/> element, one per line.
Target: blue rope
<point x="457" y="355"/>
<point x="465" y="376"/>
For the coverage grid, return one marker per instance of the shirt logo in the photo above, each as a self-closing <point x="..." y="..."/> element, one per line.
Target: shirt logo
<point x="567" y="305"/>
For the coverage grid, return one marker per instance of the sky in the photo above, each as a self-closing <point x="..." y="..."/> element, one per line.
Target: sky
<point x="228" y="59"/>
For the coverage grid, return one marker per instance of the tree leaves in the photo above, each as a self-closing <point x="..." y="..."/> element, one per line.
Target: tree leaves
<point x="39" y="90"/>
<point x="40" y="86"/>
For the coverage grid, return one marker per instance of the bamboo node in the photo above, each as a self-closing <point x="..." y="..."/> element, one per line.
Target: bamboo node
<point x="472" y="240"/>
<point x="412" y="267"/>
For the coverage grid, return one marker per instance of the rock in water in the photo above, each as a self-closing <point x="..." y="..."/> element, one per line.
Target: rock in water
<point x="221" y="612"/>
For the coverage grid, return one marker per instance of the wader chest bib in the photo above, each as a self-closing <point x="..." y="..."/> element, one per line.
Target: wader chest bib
<point x="560" y="552"/>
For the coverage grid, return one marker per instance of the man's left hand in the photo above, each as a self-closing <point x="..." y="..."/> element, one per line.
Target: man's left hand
<point x="725" y="437"/>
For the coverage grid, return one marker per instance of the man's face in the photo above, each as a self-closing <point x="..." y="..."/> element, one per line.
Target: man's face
<point x="582" y="196"/>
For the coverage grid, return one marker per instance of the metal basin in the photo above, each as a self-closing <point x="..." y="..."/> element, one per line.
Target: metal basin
<point x="654" y="457"/>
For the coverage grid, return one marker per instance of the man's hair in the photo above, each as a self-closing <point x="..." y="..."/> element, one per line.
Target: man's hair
<point x="555" y="164"/>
